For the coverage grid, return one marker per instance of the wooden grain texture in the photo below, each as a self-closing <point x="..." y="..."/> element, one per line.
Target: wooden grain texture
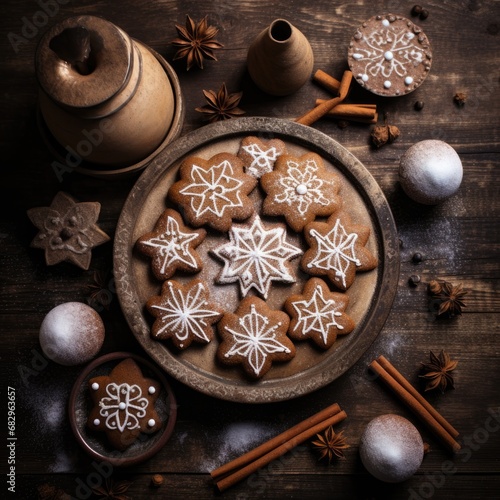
<point x="459" y="241"/>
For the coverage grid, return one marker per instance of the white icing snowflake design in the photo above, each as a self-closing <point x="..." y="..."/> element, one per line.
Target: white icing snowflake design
<point x="124" y="406"/>
<point x="335" y="251"/>
<point x="210" y="189"/>
<point x="184" y="313"/>
<point x="389" y="50"/>
<point x="317" y="314"/>
<point x="173" y="245"/>
<point x="255" y="256"/>
<point x="256" y="340"/>
<point x="263" y="159"/>
<point x="301" y="186"/>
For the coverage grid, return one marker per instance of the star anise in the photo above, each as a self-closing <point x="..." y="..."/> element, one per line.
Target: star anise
<point x="100" y="295"/>
<point x="437" y="372"/>
<point x="196" y="42"/>
<point x="330" y="445"/>
<point x="113" y="489"/>
<point x="449" y="296"/>
<point x="49" y="492"/>
<point x="221" y="105"/>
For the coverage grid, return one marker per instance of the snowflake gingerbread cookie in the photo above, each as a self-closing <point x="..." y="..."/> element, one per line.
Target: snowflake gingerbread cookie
<point x="124" y="404"/>
<point x="255" y="256"/>
<point x="171" y="246"/>
<point x="337" y="250"/>
<point x="183" y="313"/>
<point x="389" y="55"/>
<point x="259" y="156"/>
<point x="254" y="336"/>
<point x="214" y="191"/>
<point x="300" y="189"/>
<point x="318" y="314"/>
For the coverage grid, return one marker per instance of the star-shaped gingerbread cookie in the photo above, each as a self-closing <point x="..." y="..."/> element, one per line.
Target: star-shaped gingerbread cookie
<point x="183" y="313"/>
<point x="67" y="230"/>
<point x="337" y="250"/>
<point x="254" y="336"/>
<point x="318" y="314"/>
<point x="214" y="191"/>
<point x="124" y="404"/>
<point x="259" y="156"/>
<point x="171" y="246"/>
<point x="300" y="189"/>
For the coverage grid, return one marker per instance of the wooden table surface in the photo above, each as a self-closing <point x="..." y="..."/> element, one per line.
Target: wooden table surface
<point x="458" y="240"/>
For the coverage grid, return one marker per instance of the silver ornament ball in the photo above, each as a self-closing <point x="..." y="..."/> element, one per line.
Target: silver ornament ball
<point x="71" y="333"/>
<point x="430" y="171"/>
<point x="391" y="448"/>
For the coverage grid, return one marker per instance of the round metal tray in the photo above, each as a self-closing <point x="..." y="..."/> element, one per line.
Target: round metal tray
<point x="370" y="297"/>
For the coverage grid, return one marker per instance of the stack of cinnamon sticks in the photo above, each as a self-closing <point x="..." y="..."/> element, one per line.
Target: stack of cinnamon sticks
<point x="336" y="107"/>
<point x="429" y="416"/>
<point x="240" y="468"/>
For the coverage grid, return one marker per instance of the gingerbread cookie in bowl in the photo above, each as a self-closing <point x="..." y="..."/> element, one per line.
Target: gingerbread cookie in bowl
<point x="213" y="192"/>
<point x="300" y="189"/>
<point x="124" y="404"/>
<point x="337" y="250"/>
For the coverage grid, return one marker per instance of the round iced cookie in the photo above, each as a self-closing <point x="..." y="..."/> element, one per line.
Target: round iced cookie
<point x="389" y="55"/>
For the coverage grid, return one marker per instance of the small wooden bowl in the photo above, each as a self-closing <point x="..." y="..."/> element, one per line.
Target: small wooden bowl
<point x="95" y="444"/>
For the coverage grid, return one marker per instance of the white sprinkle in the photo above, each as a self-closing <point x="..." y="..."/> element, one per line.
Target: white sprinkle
<point x="408" y="80"/>
<point x="301" y="189"/>
<point x="388" y="55"/>
<point x="122" y="406"/>
<point x="151" y="390"/>
<point x="97" y="421"/>
<point x="357" y="56"/>
<point x="387" y="84"/>
<point x="385" y="22"/>
<point x="364" y="77"/>
<point x="95" y="386"/>
<point x="151" y="422"/>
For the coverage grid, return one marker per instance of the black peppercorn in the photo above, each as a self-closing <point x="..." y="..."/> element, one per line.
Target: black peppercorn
<point x="417" y="257"/>
<point x="417" y="9"/>
<point x="419" y="105"/>
<point x="424" y="14"/>
<point x="414" y="280"/>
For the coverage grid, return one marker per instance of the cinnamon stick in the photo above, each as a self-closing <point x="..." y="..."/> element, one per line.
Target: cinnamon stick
<point x="403" y="382"/>
<point x="351" y="111"/>
<point x="316" y="113"/>
<point x="412" y="403"/>
<point x="240" y="468"/>
<point x="326" y="81"/>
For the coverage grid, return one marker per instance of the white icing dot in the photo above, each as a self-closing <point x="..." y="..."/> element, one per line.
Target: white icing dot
<point x="408" y="80"/>
<point x="122" y="406"/>
<point x="387" y="84"/>
<point x="301" y="189"/>
<point x="364" y="77"/>
<point x="151" y="390"/>
<point x="95" y="386"/>
<point x="388" y="56"/>
<point x="97" y="421"/>
<point x="357" y="56"/>
<point x="151" y="422"/>
<point x="385" y="22"/>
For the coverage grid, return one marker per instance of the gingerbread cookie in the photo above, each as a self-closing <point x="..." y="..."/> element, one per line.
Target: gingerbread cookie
<point x="183" y="313"/>
<point x="256" y="255"/>
<point x="389" y="55"/>
<point x="171" y="246"/>
<point x="124" y="404"/>
<point x="300" y="189"/>
<point x="214" y="191"/>
<point x="337" y="250"/>
<point x="318" y="314"/>
<point x="68" y="230"/>
<point x="254" y="336"/>
<point x="259" y="156"/>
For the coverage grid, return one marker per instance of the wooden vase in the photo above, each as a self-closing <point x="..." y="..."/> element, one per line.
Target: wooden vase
<point x="280" y="59"/>
<point x="104" y="97"/>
